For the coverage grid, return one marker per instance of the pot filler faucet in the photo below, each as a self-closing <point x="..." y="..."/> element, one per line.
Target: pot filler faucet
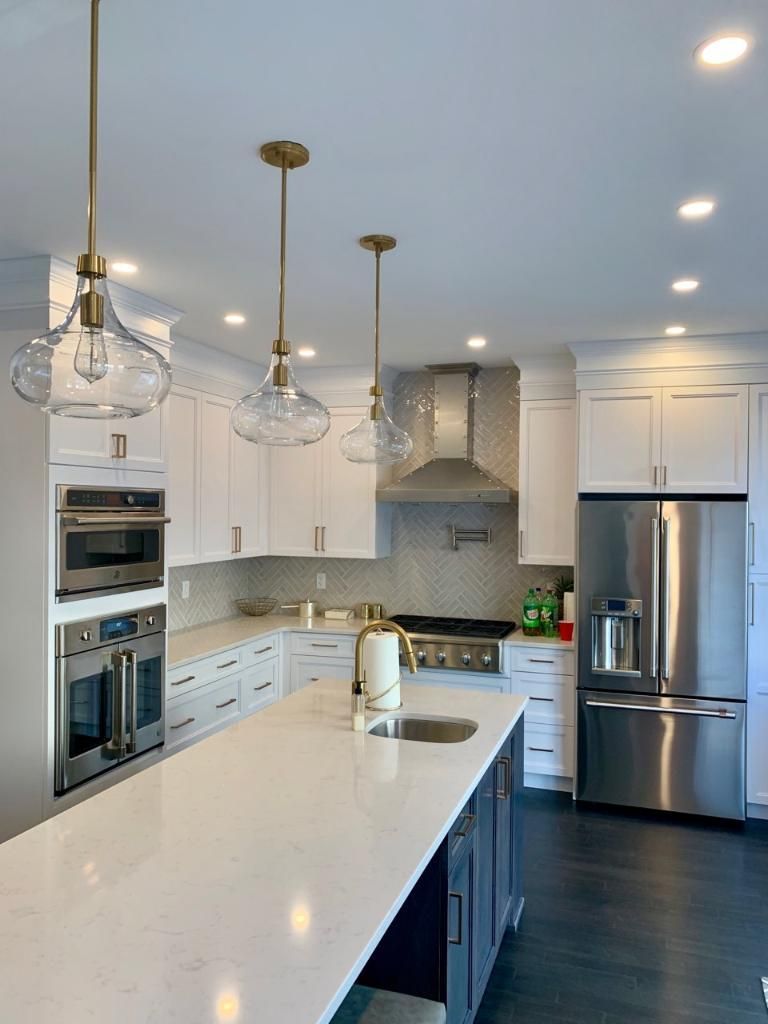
<point x="387" y="627"/>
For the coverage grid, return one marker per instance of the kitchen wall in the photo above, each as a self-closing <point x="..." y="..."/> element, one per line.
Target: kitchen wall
<point x="423" y="575"/>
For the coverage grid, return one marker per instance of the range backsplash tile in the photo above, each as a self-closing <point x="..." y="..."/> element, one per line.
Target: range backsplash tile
<point x="423" y="575"/>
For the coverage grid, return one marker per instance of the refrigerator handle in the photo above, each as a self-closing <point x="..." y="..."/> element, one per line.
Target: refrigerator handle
<point x="654" y="669"/>
<point x="665" y="597"/>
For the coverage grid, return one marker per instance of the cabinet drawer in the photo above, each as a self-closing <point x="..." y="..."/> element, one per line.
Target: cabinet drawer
<point x="198" y="673"/>
<point x="462" y="830"/>
<point x="551" y="697"/>
<point x="548" y="749"/>
<point x="259" y="650"/>
<point x="306" y="669"/>
<point x="543" y="659"/>
<point x="259" y="686"/>
<point x="322" y="645"/>
<point x="197" y="715"/>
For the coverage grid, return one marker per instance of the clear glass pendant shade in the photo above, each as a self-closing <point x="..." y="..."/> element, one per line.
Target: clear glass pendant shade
<point x="283" y="415"/>
<point x="376" y="439"/>
<point x="90" y="372"/>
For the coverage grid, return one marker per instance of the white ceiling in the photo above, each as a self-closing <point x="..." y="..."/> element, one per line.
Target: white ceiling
<point x="528" y="155"/>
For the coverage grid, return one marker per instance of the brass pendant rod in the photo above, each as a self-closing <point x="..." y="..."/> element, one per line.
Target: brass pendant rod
<point x="93" y="130"/>
<point x="377" y="341"/>
<point x="283" y="217"/>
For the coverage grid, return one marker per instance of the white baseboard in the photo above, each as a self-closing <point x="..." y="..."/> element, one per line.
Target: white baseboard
<point x="556" y="782"/>
<point x="753" y="810"/>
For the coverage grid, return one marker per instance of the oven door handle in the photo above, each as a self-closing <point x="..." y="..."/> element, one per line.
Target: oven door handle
<point x="117" y="739"/>
<point x="123" y="520"/>
<point x="133" y="661"/>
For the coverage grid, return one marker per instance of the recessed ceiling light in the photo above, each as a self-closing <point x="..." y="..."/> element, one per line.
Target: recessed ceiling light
<point x="685" y="284"/>
<point x="476" y="342"/>
<point x="692" y="209"/>
<point x="721" y="50"/>
<point x="121" y="267"/>
<point x="674" y="329"/>
<point x="234" y="318"/>
<point x="306" y="352"/>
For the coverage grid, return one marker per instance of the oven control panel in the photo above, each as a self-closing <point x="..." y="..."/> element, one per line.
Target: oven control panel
<point x="461" y="656"/>
<point x="110" y="499"/>
<point x="87" y="635"/>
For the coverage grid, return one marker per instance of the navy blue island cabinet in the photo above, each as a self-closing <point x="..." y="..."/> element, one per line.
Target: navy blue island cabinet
<point x="444" y="941"/>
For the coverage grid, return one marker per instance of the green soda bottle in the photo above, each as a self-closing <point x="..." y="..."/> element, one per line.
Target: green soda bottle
<point x="531" y="625"/>
<point x="548" y="614"/>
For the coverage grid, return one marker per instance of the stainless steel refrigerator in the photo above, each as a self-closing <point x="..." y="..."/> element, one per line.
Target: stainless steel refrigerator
<point x="662" y="654"/>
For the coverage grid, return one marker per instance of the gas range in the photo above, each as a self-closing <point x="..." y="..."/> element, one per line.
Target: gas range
<point x="463" y="645"/>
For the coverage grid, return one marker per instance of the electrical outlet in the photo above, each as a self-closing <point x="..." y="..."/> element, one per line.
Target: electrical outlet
<point x="185" y="590"/>
<point x="321" y="581"/>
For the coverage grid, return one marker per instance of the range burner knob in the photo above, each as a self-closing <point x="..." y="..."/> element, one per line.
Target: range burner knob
<point x="441" y="656"/>
<point x="466" y="657"/>
<point x="421" y="655"/>
<point x="86" y="635"/>
<point x="486" y="659"/>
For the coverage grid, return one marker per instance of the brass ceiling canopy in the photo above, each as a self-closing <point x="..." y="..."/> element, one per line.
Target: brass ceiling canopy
<point x="378" y="243"/>
<point x="285" y="154"/>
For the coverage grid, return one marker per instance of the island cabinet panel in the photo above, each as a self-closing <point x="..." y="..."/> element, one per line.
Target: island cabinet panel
<point x="460" y="989"/>
<point x="484" y="936"/>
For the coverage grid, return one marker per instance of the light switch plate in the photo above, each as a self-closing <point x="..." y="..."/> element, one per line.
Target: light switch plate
<point x="321" y="581"/>
<point x="185" y="590"/>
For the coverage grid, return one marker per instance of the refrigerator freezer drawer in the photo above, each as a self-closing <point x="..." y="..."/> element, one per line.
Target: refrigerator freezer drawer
<point x="662" y="753"/>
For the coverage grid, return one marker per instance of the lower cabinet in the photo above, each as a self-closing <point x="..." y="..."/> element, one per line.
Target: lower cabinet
<point x="545" y="675"/>
<point x="308" y="668"/>
<point x="189" y="717"/>
<point x="445" y="939"/>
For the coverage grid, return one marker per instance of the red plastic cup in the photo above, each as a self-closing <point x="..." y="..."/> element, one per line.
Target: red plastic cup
<point x="566" y="630"/>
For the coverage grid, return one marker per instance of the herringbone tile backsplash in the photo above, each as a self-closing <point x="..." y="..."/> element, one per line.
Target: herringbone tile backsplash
<point x="423" y="575"/>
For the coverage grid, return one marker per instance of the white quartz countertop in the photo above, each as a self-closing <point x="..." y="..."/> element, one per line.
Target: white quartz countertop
<point x="519" y="639"/>
<point x="245" y="879"/>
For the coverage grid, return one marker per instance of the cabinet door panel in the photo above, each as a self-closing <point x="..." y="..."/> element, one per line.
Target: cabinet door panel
<point x="215" y="534"/>
<point x="757" y="694"/>
<point x="504" y="789"/>
<point x="547" y="482"/>
<point x="75" y="442"/>
<point x="758" y="477"/>
<point x="294" y="520"/>
<point x="248" y="493"/>
<point x="704" y="439"/>
<point x="306" y="669"/>
<point x="145" y="440"/>
<point x="183" y="537"/>
<point x="485" y="886"/>
<point x="349" y="496"/>
<point x="459" y="999"/>
<point x="619" y="440"/>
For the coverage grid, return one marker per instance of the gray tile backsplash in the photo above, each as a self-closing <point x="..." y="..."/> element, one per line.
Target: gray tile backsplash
<point x="423" y="575"/>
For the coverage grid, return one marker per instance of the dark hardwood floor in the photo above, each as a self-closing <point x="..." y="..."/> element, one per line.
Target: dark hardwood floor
<point x="634" y="918"/>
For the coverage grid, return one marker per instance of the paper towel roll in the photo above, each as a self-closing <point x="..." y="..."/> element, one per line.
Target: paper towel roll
<point x="381" y="667"/>
<point x="569" y="606"/>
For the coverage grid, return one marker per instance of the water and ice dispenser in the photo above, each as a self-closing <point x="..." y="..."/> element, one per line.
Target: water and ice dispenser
<point x="616" y="628"/>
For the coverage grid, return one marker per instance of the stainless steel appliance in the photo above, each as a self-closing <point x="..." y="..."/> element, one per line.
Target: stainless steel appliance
<point x="662" y="589"/>
<point x="464" y="645"/>
<point x="110" y="692"/>
<point x="109" y="539"/>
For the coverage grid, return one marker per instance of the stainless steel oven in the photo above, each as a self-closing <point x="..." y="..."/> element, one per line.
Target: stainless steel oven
<point x="110" y="692"/>
<point x="109" y="539"/>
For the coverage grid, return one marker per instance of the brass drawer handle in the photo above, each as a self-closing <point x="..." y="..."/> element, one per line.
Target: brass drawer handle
<point x="314" y="679"/>
<point x="228" y="663"/>
<point x="180" y="682"/>
<point x="542" y="661"/>
<point x="542" y="750"/>
<point x="187" y="721"/>
<point x="549" y="700"/>
<point x="314" y="644"/>
<point x="119" y="446"/>
<point x="503" y="791"/>
<point x="460" y="897"/>
<point x="466" y="828"/>
<point x="263" y="650"/>
<point x="263" y="685"/>
<point x="232" y="700"/>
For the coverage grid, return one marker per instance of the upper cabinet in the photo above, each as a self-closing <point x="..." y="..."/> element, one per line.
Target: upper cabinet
<point x="216" y="483"/>
<point x="758" y="478"/>
<point x="547" y="514"/>
<point x="138" y="443"/>
<point x="690" y="440"/>
<point x="322" y="505"/>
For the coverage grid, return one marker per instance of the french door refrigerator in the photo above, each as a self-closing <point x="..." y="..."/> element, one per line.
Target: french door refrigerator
<point x="662" y="654"/>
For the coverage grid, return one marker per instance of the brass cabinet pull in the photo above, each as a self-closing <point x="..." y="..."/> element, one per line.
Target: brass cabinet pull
<point x="751" y="543"/>
<point x="237" y="540"/>
<point x="263" y="650"/>
<point x="466" y="828"/>
<point x="232" y="700"/>
<point x="655" y="476"/>
<point x="664" y="475"/>
<point x="119" y="446"/>
<point x="520" y="547"/>
<point x="542" y="661"/>
<point x="317" y="531"/>
<point x="751" y="604"/>
<point x="542" y="750"/>
<point x="316" y="644"/>
<point x="314" y="679"/>
<point x="263" y="685"/>
<point x="322" y="538"/>
<point x="180" y="682"/>
<point x="187" y="721"/>
<point x="460" y="897"/>
<point x="503" y="791"/>
<point x="228" y="663"/>
<point x="549" y="700"/>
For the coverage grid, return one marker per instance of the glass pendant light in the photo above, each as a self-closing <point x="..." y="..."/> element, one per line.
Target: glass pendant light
<point x="91" y="366"/>
<point x="281" y="412"/>
<point x="376" y="438"/>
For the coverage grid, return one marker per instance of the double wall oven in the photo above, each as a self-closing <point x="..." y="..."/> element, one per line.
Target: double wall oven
<point x="110" y="692"/>
<point x="109" y="540"/>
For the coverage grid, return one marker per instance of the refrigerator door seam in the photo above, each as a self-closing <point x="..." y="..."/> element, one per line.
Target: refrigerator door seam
<point x="665" y="598"/>
<point x="654" y="669"/>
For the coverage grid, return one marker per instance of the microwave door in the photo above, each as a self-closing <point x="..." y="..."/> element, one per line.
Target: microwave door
<point x="103" y="552"/>
<point x="144" y="693"/>
<point x="90" y="716"/>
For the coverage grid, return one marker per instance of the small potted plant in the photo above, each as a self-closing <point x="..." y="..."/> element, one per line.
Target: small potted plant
<point x="562" y="585"/>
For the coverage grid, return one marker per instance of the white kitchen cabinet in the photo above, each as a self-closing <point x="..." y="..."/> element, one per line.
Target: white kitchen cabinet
<point x="216" y="535"/>
<point x="757" y="693"/>
<point x="322" y="505"/>
<point x="758" y="479"/>
<point x="183" y="533"/>
<point x="620" y="440"/>
<point x="308" y="668"/>
<point x="260" y="686"/>
<point x="547" y="504"/>
<point x="546" y="675"/>
<point x="704" y="439"/>
<point x="248" y="489"/>
<point x="138" y="443"/>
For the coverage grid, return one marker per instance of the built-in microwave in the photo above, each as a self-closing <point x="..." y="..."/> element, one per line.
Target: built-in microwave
<point x="110" y="539"/>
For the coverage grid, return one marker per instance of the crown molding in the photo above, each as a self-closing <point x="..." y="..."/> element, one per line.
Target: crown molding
<point x="547" y="376"/>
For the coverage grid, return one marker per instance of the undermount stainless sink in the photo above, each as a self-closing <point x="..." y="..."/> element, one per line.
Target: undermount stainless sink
<point x="424" y="730"/>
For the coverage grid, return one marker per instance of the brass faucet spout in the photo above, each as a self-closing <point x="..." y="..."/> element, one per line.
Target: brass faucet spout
<point x="388" y="627"/>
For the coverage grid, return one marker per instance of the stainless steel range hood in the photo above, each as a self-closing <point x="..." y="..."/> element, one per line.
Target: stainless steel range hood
<point x="452" y="475"/>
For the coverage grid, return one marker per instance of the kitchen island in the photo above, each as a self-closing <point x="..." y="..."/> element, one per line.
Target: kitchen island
<point x="248" y="878"/>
